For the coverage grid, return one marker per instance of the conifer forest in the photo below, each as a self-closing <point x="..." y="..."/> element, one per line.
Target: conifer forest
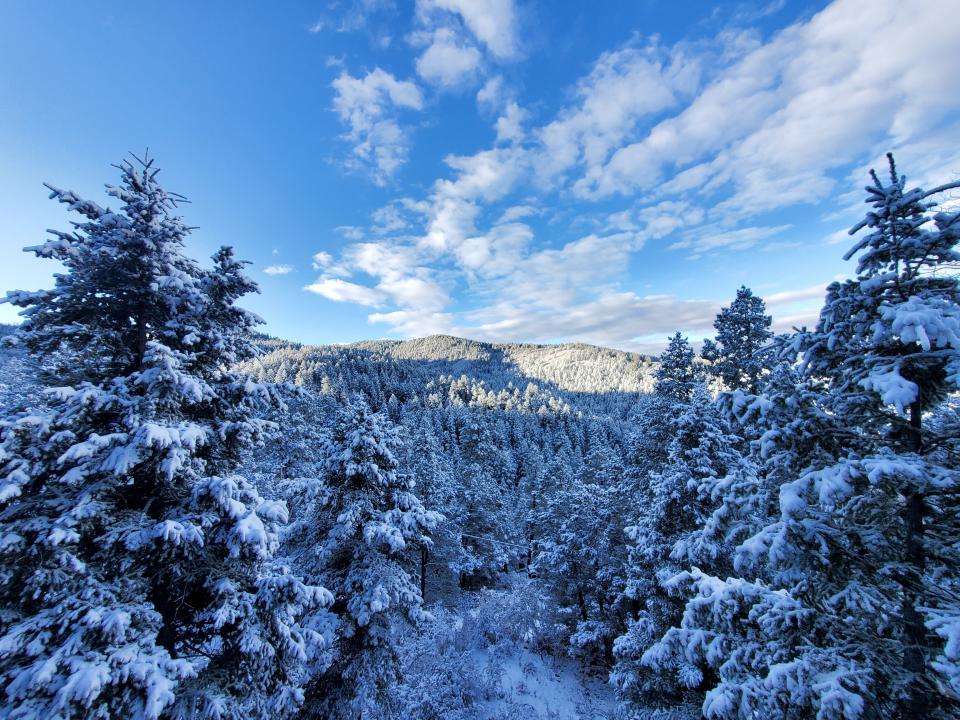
<point x="501" y="360"/>
<point x="200" y="521"/>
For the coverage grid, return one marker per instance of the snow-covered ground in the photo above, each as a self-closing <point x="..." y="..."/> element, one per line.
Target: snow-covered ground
<point x="498" y="654"/>
<point x="550" y="687"/>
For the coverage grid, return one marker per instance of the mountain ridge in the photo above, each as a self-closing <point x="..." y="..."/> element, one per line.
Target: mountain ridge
<point x="574" y="367"/>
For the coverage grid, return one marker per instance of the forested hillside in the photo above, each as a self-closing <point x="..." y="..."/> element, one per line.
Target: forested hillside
<point x="576" y="368"/>
<point x="197" y="521"/>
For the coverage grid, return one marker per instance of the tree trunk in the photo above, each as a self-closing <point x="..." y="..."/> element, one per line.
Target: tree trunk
<point x="582" y="602"/>
<point x="914" y="631"/>
<point x="424" y="556"/>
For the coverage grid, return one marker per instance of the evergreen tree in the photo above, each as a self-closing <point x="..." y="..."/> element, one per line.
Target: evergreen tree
<point x="861" y="560"/>
<point x="674" y="505"/>
<point x="888" y="344"/>
<point x="134" y="563"/>
<point x="572" y="550"/>
<point x="676" y="374"/>
<point x="742" y="331"/>
<point x="426" y="464"/>
<point x="371" y="516"/>
<point x="601" y="462"/>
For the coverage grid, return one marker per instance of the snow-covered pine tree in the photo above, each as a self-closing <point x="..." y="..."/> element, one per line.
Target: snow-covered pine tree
<point x="601" y="464"/>
<point x="485" y="515"/>
<point x="743" y="329"/>
<point x="676" y="373"/>
<point x="426" y="464"/>
<point x="888" y="343"/>
<point x="572" y="550"/>
<point x="862" y="559"/>
<point x="134" y="563"/>
<point x="674" y="504"/>
<point x="370" y="518"/>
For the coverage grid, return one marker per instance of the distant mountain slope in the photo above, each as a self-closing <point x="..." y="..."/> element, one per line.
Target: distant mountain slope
<point x="571" y="373"/>
<point x="575" y="367"/>
<point x="440" y="369"/>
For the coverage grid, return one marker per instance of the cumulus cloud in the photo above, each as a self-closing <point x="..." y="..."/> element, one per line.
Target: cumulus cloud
<point x="398" y="280"/>
<point x="342" y="291"/>
<point x="492" y="22"/>
<point x="388" y="219"/>
<point x="509" y="126"/>
<point x="623" y="87"/>
<point x="368" y="106"/>
<point x="461" y="38"/>
<point x="490" y="96"/>
<point x="322" y="260"/>
<point x="448" y="61"/>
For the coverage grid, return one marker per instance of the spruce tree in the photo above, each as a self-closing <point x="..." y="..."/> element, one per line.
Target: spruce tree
<point x="134" y="575"/>
<point x="856" y="576"/>
<point x="426" y="464"/>
<point x="888" y="343"/>
<point x="743" y="329"/>
<point x="371" y="516"/>
<point x="673" y="505"/>
<point x="676" y="373"/>
<point x="572" y="550"/>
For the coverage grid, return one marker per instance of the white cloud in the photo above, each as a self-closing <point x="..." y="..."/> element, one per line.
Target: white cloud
<point x="453" y="209"/>
<point x="815" y="292"/>
<point x="448" y="61"/>
<point x="495" y="252"/>
<point x="388" y="219"/>
<point x="492" y="22"/>
<point x="623" y="87"/>
<point x="350" y="232"/>
<point x="278" y="269"/>
<point x="490" y="96"/>
<point x="368" y="105"/>
<point x="770" y="128"/>
<point x="771" y="125"/>
<point x="703" y="240"/>
<point x="618" y="319"/>
<point x="509" y="126"/>
<point x="322" y="260"/>
<point x="343" y="291"/>
<point x="351" y="16"/>
<point x="517" y="212"/>
<point x="668" y="216"/>
<point x="411" y="323"/>
<point x="399" y="281"/>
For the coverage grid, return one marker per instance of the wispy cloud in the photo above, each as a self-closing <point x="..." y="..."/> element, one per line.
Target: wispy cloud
<point x="278" y="269"/>
<point x="705" y="240"/>
<point x="769" y="128"/>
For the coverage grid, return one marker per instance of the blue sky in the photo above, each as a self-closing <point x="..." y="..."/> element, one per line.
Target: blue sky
<point x="508" y="170"/>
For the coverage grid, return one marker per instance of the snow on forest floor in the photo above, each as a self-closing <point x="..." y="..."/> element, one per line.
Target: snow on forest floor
<point x="510" y="659"/>
<point x="550" y="687"/>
